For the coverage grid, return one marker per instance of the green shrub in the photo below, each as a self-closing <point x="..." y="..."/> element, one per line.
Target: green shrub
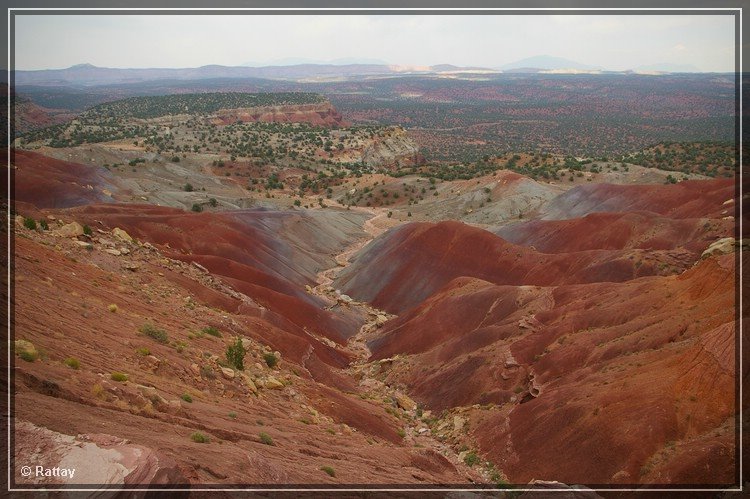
<point x="143" y="351"/>
<point x="29" y="223"/>
<point x="212" y="331"/>
<point x="232" y="415"/>
<point x="265" y="438"/>
<point x="199" y="437"/>
<point x="329" y="470"/>
<point x="118" y="376"/>
<point x="188" y="188"/>
<point x="43" y="224"/>
<point x="155" y="333"/>
<point x="401" y="433"/>
<point x="72" y="363"/>
<point x="87" y="230"/>
<point x="197" y="208"/>
<point x="236" y="354"/>
<point x="186" y="397"/>
<point x="471" y="458"/>
<point x="270" y="359"/>
<point x="28" y="356"/>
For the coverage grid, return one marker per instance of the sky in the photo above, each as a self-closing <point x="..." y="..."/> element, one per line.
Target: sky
<point x="616" y="42"/>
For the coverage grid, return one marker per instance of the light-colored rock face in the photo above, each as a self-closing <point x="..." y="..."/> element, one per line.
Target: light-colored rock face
<point x="122" y="235"/>
<point x="725" y="245"/>
<point x="394" y="150"/>
<point x="60" y="459"/>
<point x="405" y="402"/>
<point x="73" y="229"/>
<point x="272" y="383"/>
<point x="227" y="373"/>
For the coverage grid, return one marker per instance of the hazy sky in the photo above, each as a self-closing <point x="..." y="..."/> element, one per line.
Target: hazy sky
<point x="615" y="42"/>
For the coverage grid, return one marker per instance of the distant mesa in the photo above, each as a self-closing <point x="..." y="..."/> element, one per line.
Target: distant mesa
<point x="83" y="66"/>
<point x="547" y="62"/>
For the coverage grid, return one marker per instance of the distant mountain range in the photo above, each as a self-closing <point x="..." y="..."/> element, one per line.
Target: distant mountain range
<point x="89" y="75"/>
<point x="338" y="69"/>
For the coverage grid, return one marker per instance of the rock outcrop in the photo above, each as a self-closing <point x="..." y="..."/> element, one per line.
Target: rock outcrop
<point x="321" y="114"/>
<point x="88" y="459"/>
<point x="394" y="150"/>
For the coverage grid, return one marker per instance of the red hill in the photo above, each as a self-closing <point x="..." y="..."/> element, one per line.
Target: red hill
<point x="411" y="262"/>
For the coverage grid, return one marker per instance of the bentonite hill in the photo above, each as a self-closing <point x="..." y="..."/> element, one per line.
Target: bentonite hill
<point x="230" y="286"/>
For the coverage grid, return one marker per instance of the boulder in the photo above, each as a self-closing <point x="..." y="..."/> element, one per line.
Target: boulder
<point x="131" y="266"/>
<point x="272" y="383"/>
<point x="73" y="229"/>
<point x="122" y="235"/>
<point x="720" y="247"/>
<point x="725" y="245"/>
<point x="248" y="381"/>
<point x="404" y="402"/>
<point x="150" y="393"/>
<point x="227" y="373"/>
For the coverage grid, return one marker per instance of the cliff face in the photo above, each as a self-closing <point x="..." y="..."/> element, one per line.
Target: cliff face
<point x="393" y="150"/>
<point x="320" y="114"/>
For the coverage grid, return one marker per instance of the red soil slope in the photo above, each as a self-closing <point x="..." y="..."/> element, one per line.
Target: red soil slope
<point x="631" y="230"/>
<point x="634" y="381"/>
<point x="62" y="297"/>
<point x="575" y="363"/>
<point x="51" y="183"/>
<point x="412" y="261"/>
<point x="249" y="250"/>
